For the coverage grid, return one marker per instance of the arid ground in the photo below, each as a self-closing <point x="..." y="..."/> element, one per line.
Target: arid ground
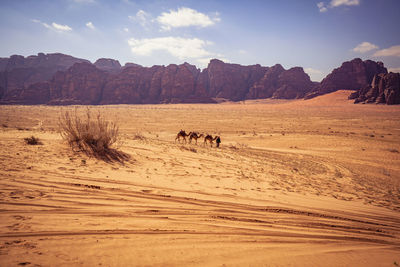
<point x="295" y="183"/>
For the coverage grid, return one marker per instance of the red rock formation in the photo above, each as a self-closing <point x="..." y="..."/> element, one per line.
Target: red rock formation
<point x="108" y="64"/>
<point x="352" y="75"/>
<point x="158" y="84"/>
<point x="267" y="85"/>
<point x="228" y="81"/>
<point x="384" y="89"/>
<point x="37" y="93"/>
<point x="129" y="64"/>
<point x="18" y="73"/>
<point x="130" y="86"/>
<point x="81" y="84"/>
<point x="27" y="81"/>
<point x="280" y="83"/>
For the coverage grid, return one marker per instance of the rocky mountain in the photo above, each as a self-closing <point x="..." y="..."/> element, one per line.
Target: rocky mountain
<point x="18" y="73"/>
<point x="228" y="81"/>
<point x="280" y="83"/>
<point x="108" y="64"/>
<point x="352" y="75"/>
<point x="384" y="89"/>
<point x="58" y="79"/>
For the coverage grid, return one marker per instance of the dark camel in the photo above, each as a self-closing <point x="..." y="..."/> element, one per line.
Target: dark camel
<point x="182" y="134"/>
<point x="210" y="139"/>
<point x="194" y="136"/>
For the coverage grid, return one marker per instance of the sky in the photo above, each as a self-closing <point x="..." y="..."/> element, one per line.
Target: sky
<point x="316" y="35"/>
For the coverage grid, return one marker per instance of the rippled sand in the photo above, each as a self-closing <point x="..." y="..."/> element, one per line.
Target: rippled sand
<point x="302" y="183"/>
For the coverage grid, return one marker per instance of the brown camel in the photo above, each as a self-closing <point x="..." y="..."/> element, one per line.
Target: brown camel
<point x="209" y="139"/>
<point x="182" y="134"/>
<point x="194" y="136"/>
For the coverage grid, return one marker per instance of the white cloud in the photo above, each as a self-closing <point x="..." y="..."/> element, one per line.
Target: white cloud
<point x="184" y="17"/>
<point x="142" y="17"/>
<point x="312" y="71"/>
<point x="182" y="48"/>
<point x="203" y="62"/>
<point x="54" y="26"/>
<point x="336" y="3"/>
<point x="126" y="29"/>
<point x="60" y="27"/>
<point x="322" y="8"/>
<point x="393" y="51"/>
<point x="365" y="47"/>
<point x="90" y="25"/>
<point x="394" y="69"/>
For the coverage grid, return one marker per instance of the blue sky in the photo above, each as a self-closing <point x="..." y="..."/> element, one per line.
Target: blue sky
<point x="316" y="35"/>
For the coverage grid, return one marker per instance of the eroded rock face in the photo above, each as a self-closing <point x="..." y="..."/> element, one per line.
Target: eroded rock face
<point x="158" y="84"/>
<point x="228" y="81"/>
<point x="108" y="64"/>
<point x="17" y="73"/>
<point x="384" y="89"/>
<point x="37" y="93"/>
<point x="130" y="64"/>
<point x="81" y="84"/>
<point x="280" y="83"/>
<point x="352" y="75"/>
<point x="131" y="86"/>
<point x="33" y="80"/>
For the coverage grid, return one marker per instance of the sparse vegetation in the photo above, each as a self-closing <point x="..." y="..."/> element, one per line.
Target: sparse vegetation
<point x="138" y="136"/>
<point x="33" y="141"/>
<point x="393" y="150"/>
<point x="92" y="135"/>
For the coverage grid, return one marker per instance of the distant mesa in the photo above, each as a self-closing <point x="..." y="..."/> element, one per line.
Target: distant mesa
<point x="57" y="79"/>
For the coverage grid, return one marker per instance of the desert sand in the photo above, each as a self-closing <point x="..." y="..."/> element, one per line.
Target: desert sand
<point x="294" y="183"/>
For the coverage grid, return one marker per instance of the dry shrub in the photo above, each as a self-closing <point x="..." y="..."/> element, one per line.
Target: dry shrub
<point x="91" y="134"/>
<point x="33" y="141"/>
<point x="138" y="136"/>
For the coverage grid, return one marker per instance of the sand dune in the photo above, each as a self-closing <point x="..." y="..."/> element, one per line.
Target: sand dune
<point x="301" y="183"/>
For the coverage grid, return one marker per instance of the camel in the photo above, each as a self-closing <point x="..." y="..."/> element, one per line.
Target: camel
<point x="194" y="136"/>
<point x="182" y="134"/>
<point x="210" y="139"/>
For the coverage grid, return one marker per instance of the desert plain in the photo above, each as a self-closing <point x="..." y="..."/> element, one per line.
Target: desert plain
<point x="294" y="183"/>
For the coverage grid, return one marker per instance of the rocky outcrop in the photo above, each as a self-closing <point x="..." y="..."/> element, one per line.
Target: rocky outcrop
<point x="18" y="73"/>
<point x="228" y="81"/>
<point x="83" y="83"/>
<point x="130" y="86"/>
<point x="37" y="93"/>
<point x="108" y="64"/>
<point x="158" y="84"/>
<point x="130" y="64"/>
<point x="352" y="75"/>
<point x="46" y="79"/>
<point x="384" y="89"/>
<point x="280" y="83"/>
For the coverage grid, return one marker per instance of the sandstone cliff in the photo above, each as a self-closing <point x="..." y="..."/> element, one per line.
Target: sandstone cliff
<point x="108" y="64"/>
<point x="60" y="79"/>
<point x="18" y="73"/>
<point x="280" y="83"/>
<point x="352" y="75"/>
<point x="384" y="89"/>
